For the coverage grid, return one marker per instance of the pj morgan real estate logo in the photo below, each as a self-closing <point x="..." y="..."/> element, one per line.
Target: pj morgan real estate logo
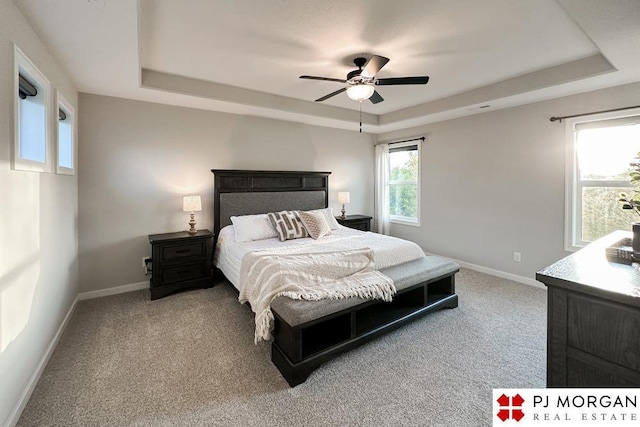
<point x="550" y="407"/>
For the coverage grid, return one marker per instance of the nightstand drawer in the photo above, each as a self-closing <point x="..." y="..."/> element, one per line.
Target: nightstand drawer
<point x="360" y="225"/>
<point x="183" y="273"/>
<point x="195" y="249"/>
<point x="358" y="222"/>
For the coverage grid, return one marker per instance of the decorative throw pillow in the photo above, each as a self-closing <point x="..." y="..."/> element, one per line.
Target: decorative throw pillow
<point x="253" y="227"/>
<point x="328" y="216"/>
<point x="288" y="225"/>
<point x="315" y="224"/>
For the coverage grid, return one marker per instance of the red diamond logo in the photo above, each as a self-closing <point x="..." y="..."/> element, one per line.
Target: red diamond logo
<point x="510" y="407"/>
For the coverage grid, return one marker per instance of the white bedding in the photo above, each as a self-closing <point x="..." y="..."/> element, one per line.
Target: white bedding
<point x="388" y="250"/>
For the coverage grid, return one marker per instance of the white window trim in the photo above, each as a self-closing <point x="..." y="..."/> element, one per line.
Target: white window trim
<point x="17" y="163"/>
<point x="572" y="212"/>
<point x="66" y="106"/>
<point x="396" y="219"/>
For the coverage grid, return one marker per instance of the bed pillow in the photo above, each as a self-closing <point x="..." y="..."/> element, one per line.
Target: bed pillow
<point x="253" y="227"/>
<point x="328" y="216"/>
<point x="288" y="225"/>
<point x="315" y="224"/>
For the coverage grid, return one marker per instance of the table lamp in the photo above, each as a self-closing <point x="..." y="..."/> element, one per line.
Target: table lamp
<point x="192" y="204"/>
<point x="343" y="197"/>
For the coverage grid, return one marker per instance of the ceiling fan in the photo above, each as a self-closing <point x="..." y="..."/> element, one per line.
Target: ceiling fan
<point x="361" y="82"/>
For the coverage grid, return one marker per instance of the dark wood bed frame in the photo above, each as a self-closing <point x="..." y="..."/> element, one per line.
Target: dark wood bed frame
<point x="298" y="350"/>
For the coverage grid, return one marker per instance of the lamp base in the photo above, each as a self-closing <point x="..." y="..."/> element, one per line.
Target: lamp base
<point x="343" y="212"/>
<point x="192" y="225"/>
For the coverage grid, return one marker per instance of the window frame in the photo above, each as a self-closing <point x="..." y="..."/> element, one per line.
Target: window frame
<point x="573" y="186"/>
<point x="397" y="219"/>
<point x="66" y="106"/>
<point x="22" y="64"/>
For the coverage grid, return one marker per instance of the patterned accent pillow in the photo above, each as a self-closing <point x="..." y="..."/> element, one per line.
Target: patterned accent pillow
<point x="288" y="225"/>
<point x="328" y="216"/>
<point x="315" y="223"/>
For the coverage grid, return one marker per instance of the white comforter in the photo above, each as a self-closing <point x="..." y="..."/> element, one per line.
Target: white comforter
<point x="387" y="250"/>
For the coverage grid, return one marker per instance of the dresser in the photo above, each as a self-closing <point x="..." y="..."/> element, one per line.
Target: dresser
<point x="180" y="261"/>
<point x="593" y="319"/>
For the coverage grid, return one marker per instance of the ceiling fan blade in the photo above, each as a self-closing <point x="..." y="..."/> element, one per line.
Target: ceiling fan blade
<point x="375" y="98"/>
<point x="374" y="65"/>
<point x="329" y="79"/>
<point x="419" y="80"/>
<point x="331" y="94"/>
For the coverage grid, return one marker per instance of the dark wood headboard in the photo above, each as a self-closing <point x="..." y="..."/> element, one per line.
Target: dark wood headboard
<point x="246" y="192"/>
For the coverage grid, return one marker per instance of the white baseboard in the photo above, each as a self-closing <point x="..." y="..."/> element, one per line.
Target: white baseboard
<point x="498" y="273"/>
<point x="33" y="381"/>
<point x="112" y="291"/>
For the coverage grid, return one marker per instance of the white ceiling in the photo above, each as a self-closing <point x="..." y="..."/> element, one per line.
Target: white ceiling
<point x="245" y="56"/>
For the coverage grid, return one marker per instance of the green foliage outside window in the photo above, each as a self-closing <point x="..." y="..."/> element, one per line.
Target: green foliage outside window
<point x="605" y="182"/>
<point x="601" y="213"/>
<point x="632" y="201"/>
<point x="403" y="187"/>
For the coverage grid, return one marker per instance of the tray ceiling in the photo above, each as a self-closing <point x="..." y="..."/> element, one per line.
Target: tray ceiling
<point x="245" y="56"/>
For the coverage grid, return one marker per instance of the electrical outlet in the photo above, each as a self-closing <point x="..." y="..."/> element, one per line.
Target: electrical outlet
<point x="145" y="264"/>
<point x="517" y="257"/>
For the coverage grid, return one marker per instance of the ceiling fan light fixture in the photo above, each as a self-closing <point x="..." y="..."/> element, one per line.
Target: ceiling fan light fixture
<point x="360" y="92"/>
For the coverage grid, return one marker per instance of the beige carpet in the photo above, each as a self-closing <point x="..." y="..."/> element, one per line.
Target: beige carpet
<point x="189" y="359"/>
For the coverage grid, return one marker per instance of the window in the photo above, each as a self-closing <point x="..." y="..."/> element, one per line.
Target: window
<point x="66" y="158"/>
<point x="404" y="183"/>
<point x="31" y="138"/>
<point x="601" y="148"/>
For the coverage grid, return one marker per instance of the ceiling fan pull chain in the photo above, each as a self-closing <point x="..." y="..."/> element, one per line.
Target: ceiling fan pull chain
<point x="360" y="105"/>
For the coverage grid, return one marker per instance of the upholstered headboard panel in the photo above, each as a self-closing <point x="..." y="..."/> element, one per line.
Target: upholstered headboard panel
<point x="256" y="203"/>
<point x="243" y="192"/>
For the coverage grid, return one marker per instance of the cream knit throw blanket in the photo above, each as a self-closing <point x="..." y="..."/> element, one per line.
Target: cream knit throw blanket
<point x="328" y="275"/>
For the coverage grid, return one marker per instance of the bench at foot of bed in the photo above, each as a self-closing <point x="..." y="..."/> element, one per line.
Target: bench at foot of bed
<point x="309" y="333"/>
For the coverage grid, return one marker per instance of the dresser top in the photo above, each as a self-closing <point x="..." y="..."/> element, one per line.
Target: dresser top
<point x="588" y="271"/>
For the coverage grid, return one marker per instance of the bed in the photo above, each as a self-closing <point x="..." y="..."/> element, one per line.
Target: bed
<point x="304" y="333"/>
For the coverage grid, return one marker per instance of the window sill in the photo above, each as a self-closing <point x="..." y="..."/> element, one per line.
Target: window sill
<point x="61" y="170"/>
<point x="29" y="166"/>
<point x="404" y="222"/>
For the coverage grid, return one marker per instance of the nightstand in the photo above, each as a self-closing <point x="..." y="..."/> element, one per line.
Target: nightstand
<point x="180" y="261"/>
<point x="359" y="222"/>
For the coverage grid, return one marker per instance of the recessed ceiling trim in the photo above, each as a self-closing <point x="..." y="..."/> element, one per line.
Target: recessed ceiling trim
<point x="152" y="79"/>
<point x="553" y="76"/>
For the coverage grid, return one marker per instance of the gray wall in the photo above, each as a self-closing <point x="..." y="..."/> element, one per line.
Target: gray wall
<point x="138" y="159"/>
<point x="38" y="232"/>
<point x="493" y="183"/>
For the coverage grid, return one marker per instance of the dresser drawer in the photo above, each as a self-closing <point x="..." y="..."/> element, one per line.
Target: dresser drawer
<point x="183" y="273"/>
<point x="183" y="250"/>
<point x="606" y="330"/>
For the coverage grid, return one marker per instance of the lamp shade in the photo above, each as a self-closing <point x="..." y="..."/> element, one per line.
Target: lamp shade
<point x="191" y="204"/>
<point x="360" y="92"/>
<point x="344" y="197"/>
